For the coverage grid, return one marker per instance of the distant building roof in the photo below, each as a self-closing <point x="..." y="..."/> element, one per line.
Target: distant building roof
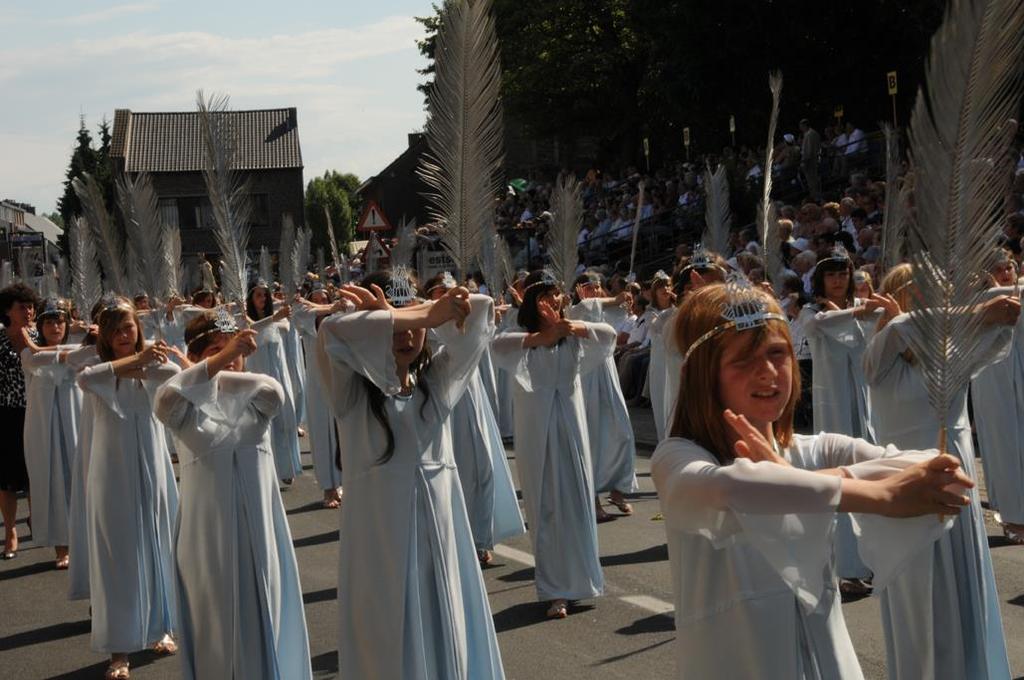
<point x="171" y="142"/>
<point x="50" y="231"/>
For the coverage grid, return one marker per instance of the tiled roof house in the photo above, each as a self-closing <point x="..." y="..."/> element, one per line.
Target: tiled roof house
<point x="168" y="146"/>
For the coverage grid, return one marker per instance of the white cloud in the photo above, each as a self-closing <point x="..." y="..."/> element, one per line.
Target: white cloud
<point x="108" y="14"/>
<point x="354" y="89"/>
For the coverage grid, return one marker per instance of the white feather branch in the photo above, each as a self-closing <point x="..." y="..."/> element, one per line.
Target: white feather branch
<point x="767" y="223"/>
<point x="567" y="206"/>
<point x="86" y="286"/>
<point x="228" y="192"/>
<point x="960" y="130"/>
<point x="464" y="129"/>
<point x="107" y="239"/>
<point x="148" y="263"/>
<point x="717" y="215"/>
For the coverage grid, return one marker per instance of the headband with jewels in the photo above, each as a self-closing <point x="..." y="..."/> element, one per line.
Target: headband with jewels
<point x="547" y="278"/>
<point x="701" y="260"/>
<point x="113" y="303"/>
<point x="660" y="275"/>
<point x="400" y="289"/>
<point x="745" y="308"/>
<point x="223" y="322"/>
<point x="839" y="253"/>
<point x="447" y="282"/>
<point x="53" y="306"/>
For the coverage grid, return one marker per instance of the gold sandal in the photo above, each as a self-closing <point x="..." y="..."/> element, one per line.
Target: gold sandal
<point x="117" y="670"/>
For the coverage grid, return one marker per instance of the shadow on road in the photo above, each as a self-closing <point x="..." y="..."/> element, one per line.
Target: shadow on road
<point x="325" y="595"/>
<point x="316" y="539"/>
<point x="57" y="631"/>
<point x="658" y="623"/>
<point x="655" y="553"/>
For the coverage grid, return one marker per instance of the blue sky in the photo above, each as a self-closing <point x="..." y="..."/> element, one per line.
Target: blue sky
<point x="349" y="66"/>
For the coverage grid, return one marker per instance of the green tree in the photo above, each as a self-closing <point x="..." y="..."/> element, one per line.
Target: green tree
<point x="426" y="46"/>
<point x="86" y="159"/>
<point x="328" y="192"/>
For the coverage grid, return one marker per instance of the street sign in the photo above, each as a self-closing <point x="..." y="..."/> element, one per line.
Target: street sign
<point x="890" y="81"/>
<point x="433" y="262"/>
<point x="29" y="239"/>
<point x="373" y="219"/>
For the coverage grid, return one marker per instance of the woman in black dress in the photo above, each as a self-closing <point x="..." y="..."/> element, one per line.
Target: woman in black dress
<point x="17" y="313"/>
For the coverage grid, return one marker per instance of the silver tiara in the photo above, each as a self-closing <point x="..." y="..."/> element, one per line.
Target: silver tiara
<point x="745" y="308"/>
<point x="700" y="258"/>
<point x="223" y="323"/>
<point x="547" y="278"/>
<point x="839" y="252"/>
<point x="399" y="290"/>
<point x="660" y="274"/>
<point x="448" y="281"/>
<point x="53" y="306"/>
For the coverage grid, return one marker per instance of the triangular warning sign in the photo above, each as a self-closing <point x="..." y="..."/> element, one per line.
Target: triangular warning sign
<point x="373" y="219"/>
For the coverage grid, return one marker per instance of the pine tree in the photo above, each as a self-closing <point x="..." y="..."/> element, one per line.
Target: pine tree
<point x="86" y="158"/>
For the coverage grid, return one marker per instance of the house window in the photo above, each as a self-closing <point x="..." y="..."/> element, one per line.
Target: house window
<point x="195" y="212"/>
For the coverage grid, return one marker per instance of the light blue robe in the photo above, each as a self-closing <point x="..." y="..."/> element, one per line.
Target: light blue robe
<point x="320" y="427"/>
<point x="294" y="350"/>
<point x="941" y="618"/>
<point x="998" y="393"/>
<point x="52" y="419"/>
<point x="657" y="370"/>
<point x="78" y="569"/>
<point x="504" y="384"/>
<point x="841" y="402"/>
<point x="487" y="487"/>
<point x="130" y="505"/>
<point x="609" y="429"/>
<point x="239" y="598"/>
<point x="751" y="552"/>
<point x="553" y="457"/>
<point x="411" y="599"/>
<point x="271" y="358"/>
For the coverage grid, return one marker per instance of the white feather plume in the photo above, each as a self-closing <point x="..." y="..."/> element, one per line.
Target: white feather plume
<point x="717" y="214"/>
<point x="960" y="129"/>
<point x="464" y="129"/>
<point x="286" y="257"/>
<point x="148" y="263"/>
<point x="86" y="285"/>
<point x="332" y="240"/>
<point x="228" y="192"/>
<point x="894" y="224"/>
<point x="562" y="249"/>
<point x="266" y="270"/>
<point x="104" y="232"/>
<point x="177" y="279"/>
<point x="405" y="244"/>
<point x="768" y="226"/>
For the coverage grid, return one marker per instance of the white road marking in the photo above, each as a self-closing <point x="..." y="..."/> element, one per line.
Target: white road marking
<point x="645" y="602"/>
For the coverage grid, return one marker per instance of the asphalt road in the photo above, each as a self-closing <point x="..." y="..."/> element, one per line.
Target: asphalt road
<point x="626" y="633"/>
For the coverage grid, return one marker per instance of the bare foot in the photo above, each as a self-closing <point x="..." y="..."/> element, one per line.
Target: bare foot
<point x="618" y="500"/>
<point x="62" y="557"/>
<point x="11" y="545"/>
<point x="485" y="557"/>
<point x="118" y="668"/>
<point x="166" y="646"/>
<point x="559" y="609"/>
<point x="332" y="498"/>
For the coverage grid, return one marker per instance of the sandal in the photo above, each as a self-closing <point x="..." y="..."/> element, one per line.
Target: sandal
<point x="854" y="586"/>
<point x="484" y="557"/>
<point x="166" y="647"/>
<point x="600" y="514"/>
<point x="559" y="609"/>
<point x="1014" y="533"/>
<point x="332" y="499"/>
<point x="117" y="670"/>
<point x="62" y="562"/>
<point x="622" y="504"/>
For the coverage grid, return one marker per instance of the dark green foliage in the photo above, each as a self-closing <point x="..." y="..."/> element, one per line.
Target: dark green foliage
<point x="86" y="159"/>
<point x="335" y="191"/>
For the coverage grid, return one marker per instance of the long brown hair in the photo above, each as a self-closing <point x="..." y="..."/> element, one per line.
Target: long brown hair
<point x="110" y="319"/>
<point x="701" y="420"/>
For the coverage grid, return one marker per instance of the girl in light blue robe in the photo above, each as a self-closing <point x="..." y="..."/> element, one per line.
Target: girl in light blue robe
<point x="271" y="358"/>
<point x="411" y="599"/>
<point x="320" y="426"/>
<point x="837" y="330"/>
<point x="941" y="616"/>
<point x="750" y="511"/>
<point x="78" y="542"/>
<point x="131" y="498"/>
<point x="487" y="487"/>
<point x="547" y="360"/>
<point x="504" y="383"/>
<point x="609" y="429"/>
<point x="998" y="394"/>
<point x="54" y="404"/>
<point x="239" y="598"/>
